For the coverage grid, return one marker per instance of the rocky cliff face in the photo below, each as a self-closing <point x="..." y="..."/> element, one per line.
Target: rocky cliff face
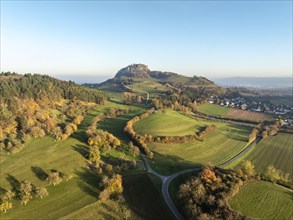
<point x="134" y="70"/>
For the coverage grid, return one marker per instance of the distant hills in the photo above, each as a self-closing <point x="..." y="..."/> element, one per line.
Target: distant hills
<point x="256" y="82"/>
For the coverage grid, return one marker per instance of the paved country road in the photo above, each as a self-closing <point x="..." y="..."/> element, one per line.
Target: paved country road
<point x="166" y="180"/>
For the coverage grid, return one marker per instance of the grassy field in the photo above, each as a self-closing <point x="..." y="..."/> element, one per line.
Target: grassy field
<point x="227" y="112"/>
<point x="160" y="124"/>
<point x="115" y="125"/>
<point x="276" y="150"/>
<point x="222" y="143"/>
<point x="106" y="210"/>
<point x="264" y="200"/>
<point x="36" y="160"/>
<point x="74" y="199"/>
<point x="214" y="110"/>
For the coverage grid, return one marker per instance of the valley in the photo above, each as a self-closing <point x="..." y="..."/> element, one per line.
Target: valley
<point x="174" y="137"/>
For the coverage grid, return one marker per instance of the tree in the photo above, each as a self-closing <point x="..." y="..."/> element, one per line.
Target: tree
<point x="126" y="212"/>
<point x="112" y="112"/>
<point x="8" y="195"/>
<point x="104" y="195"/>
<point x="26" y="187"/>
<point x="66" y="176"/>
<point x="114" y="186"/>
<point x="271" y="173"/>
<point x="42" y="192"/>
<point x="5" y="206"/>
<point x="127" y="98"/>
<point x="150" y="154"/>
<point x="264" y="134"/>
<point x="208" y="175"/>
<point x="253" y="134"/>
<point x="26" y="198"/>
<point x="116" y="143"/>
<point x="54" y="178"/>
<point x="136" y="151"/>
<point x="94" y="156"/>
<point x="247" y="168"/>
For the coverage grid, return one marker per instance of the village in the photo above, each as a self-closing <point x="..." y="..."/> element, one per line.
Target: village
<point x="285" y="111"/>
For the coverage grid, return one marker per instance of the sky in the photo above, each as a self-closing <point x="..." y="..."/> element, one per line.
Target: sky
<point x="97" y="38"/>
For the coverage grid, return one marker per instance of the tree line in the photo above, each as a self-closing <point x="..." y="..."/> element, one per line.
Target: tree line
<point x="108" y="168"/>
<point x="137" y="139"/>
<point x="38" y="86"/>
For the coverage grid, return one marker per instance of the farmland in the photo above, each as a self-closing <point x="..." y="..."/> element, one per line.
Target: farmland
<point x="42" y="155"/>
<point x="214" y="110"/>
<point x="226" y="112"/>
<point x="276" y="150"/>
<point x="222" y="143"/>
<point x="264" y="200"/>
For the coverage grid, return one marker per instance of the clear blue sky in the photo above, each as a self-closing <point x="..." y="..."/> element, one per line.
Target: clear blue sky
<point x="208" y="38"/>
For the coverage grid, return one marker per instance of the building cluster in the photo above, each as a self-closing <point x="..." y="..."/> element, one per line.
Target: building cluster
<point x="286" y="111"/>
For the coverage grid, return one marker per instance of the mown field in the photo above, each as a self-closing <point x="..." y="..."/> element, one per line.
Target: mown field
<point x="172" y="123"/>
<point x="220" y="144"/>
<point x="276" y="150"/>
<point x="264" y="200"/>
<point x="226" y="112"/>
<point x="73" y="199"/>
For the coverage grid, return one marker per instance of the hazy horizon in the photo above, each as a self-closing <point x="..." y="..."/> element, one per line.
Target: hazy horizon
<point x="97" y="38"/>
<point x="81" y="79"/>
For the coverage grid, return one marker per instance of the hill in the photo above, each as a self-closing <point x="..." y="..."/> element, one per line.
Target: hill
<point x="36" y="105"/>
<point x="219" y="145"/>
<point x="38" y="86"/>
<point x="139" y="78"/>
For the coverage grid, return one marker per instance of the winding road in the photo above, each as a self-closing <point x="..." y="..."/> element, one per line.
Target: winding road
<point x="166" y="180"/>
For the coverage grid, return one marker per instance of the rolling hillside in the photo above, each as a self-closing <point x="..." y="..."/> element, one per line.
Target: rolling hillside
<point x="139" y="78"/>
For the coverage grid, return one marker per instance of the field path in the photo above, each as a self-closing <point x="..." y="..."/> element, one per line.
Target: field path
<point x="166" y="180"/>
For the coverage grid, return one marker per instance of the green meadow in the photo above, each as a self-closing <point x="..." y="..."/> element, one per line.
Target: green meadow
<point x="276" y="150"/>
<point x="264" y="200"/>
<point x="219" y="145"/>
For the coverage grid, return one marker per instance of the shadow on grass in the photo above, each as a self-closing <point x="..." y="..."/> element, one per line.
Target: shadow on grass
<point x="15" y="184"/>
<point x="40" y="173"/>
<point x="169" y="164"/>
<point x="104" y="214"/>
<point x="92" y="179"/>
<point x="143" y="199"/>
<point x="80" y="135"/>
<point x="115" y="125"/>
<point x="2" y="190"/>
<point x="82" y="150"/>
